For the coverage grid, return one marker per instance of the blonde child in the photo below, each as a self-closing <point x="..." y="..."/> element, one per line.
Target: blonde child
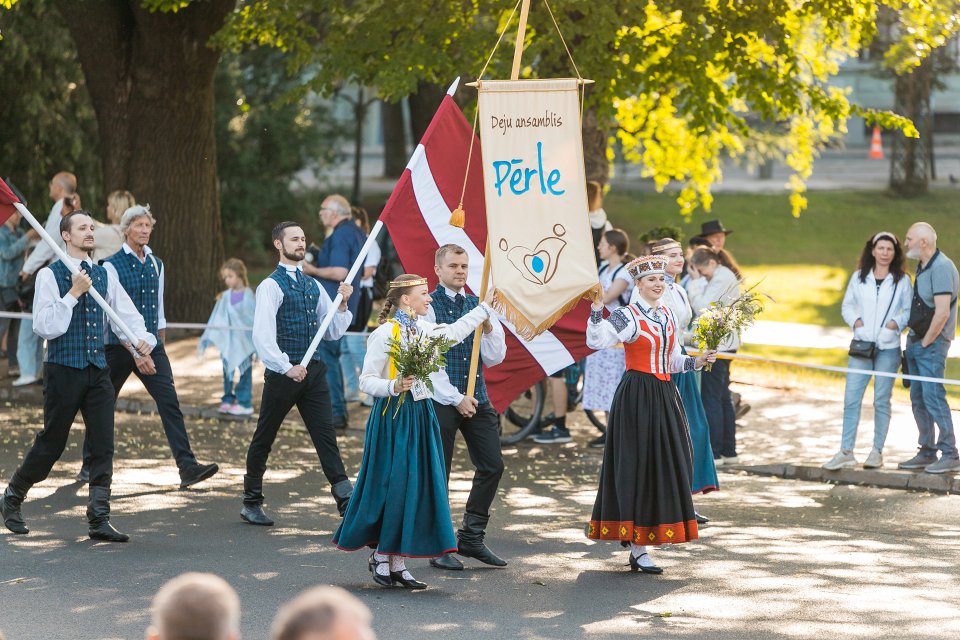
<point x="234" y="308"/>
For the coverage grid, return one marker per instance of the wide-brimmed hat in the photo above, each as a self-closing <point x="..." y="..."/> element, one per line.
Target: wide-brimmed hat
<point x="713" y="226"/>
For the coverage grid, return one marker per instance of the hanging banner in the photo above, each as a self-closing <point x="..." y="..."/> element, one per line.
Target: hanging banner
<point x="541" y="247"/>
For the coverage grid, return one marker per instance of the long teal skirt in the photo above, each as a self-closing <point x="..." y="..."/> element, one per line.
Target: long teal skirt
<point x="399" y="502"/>
<point x="704" y="470"/>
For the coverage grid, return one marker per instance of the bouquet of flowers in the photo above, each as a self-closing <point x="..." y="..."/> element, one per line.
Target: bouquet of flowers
<point x="721" y="321"/>
<point x="418" y="355"/>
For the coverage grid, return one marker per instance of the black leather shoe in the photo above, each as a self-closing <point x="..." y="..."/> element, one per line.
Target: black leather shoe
<point x="195" y="473"/>
<point x="411" y="583"/>
<point x="701" y="519"/>
<point x="481" y="553"/>
<point x="84" y="476"/>
<point x="446" y="561"/>
<point x="254" y="515"/>
<point x="383" y="581"/>
<point x="107" y="533"/>
<point x="340" y="423"/>
<point x="636" y="566"/>
<point x="10" y="510"/>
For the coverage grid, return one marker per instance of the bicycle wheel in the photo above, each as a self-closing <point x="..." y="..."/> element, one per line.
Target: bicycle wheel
<point x="523" y="414"/>
<point x="597" y="419"/>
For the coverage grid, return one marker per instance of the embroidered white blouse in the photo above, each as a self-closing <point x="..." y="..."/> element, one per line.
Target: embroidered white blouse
<point x="375" y="378"/>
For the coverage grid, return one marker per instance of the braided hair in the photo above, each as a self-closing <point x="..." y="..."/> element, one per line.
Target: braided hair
<point x="392" y="302"/>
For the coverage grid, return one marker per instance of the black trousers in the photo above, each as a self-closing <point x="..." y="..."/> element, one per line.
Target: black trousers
<point x="160" y="387"/>
<point x="482" y="436"/>
<point x="65" y="392"/>
<point x="312" y="398"/>
<point x="718" y="405"/>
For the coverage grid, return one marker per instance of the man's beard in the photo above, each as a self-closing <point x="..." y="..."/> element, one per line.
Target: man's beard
<point x="292" y="256"/>
<point x="913" y="254"/>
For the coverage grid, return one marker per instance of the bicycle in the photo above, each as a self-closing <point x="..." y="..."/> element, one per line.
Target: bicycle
<point x="526" y="411"/>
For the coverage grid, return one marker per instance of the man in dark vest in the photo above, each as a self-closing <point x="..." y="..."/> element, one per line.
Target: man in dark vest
<point x="141" y="274"/>
<point x="75" y="377"/>
<point x="473" y="416"/>
<point x="290" y="308"/>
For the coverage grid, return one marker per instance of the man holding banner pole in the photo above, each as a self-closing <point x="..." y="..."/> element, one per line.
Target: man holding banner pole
<point x="291" y="309"/>
<point x="76" y="378"/>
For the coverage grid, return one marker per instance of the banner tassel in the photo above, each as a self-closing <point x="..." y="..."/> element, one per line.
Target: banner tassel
<point x="458" y="218"/>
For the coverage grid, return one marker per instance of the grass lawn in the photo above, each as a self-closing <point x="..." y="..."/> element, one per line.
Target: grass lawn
<point x="804" y="262"/>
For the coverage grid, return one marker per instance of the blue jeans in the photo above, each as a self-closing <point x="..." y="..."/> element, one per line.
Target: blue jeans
<point x="329" y="351"/>
<point x="29" y="350"/>
<point x="242" y="394"/>
<point x="352" y="351"/>
<point x="887" y="360"/>
<point x="929" y="399"/>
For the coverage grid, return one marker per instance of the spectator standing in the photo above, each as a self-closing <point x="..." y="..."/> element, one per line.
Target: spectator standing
<point x="599" y="224"/>
<point x="13" y="246"/>
<point x="323" y="613"/>
<point x="230" y="329"/>
<point x="876" y="306"/>
<point x="108" y="238"/>
<point x="715" y="233"/>
<point x="62" y="190"/>
<point x="195" y="606"/>
<point x="717" y="279"/>
<point x="933" y="326"/>
<point x="354" y="347"/>
<point x="330" y="267"/>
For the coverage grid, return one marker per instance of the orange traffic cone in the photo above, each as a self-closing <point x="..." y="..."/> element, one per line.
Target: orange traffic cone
<point x="876" y="147"/>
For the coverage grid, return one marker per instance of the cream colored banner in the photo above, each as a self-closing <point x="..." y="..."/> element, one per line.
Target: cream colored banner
<point x="541" y="246"/>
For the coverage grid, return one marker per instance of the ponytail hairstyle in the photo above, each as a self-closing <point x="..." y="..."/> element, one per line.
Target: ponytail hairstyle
<point x="619" y="240"/>
<point x="703" y="256"/>
<point x="394" y="293"/>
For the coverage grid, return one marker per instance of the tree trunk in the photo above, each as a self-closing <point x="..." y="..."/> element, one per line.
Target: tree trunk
<point x="595" y="137"/>
<point x="359" y="115"/>
<point x="394" y="139"/>
<point x="909" y="169"/>
<point x="423" y="106"/>
<point x="150" y="77"/>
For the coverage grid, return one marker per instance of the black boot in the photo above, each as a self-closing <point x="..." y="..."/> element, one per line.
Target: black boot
<point x="470" y="540"/>
<point x="252" y="510"/>
<point x="341" y="493"/>
<point x="98" y="515"/>
<point x="10" y="505"/>
<point x="83" y="477"/>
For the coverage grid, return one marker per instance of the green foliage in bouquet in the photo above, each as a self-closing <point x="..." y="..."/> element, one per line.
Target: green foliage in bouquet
<point x="721" y="321"/>
<point x="418" y="355"/>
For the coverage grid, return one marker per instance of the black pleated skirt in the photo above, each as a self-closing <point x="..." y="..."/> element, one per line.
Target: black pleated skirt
<point x="644" y="494"/>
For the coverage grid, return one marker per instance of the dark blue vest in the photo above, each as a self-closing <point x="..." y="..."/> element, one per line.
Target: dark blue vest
<point x="82" y="344"/>
<point x="458" y="357"/>
<point x="142" y="284"/>
<point x="297" y="315"/>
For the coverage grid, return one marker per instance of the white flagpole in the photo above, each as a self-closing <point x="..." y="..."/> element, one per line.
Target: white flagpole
<point x="131" y="336"/>
<point x="357" y="265"/>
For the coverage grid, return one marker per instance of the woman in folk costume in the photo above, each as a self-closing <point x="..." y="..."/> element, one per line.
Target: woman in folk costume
<point x="704" y="477"/>
<point x="399" y="504"/>
<point x="644" y="495"/>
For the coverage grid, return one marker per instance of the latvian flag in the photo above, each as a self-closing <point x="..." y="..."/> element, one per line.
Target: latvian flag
<point x="7" y="200"/>
<point x="418" y="218"/>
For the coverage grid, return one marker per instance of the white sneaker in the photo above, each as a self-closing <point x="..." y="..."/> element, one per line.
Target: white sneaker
<point x="24" y="381"/>
<point x="731" y="460"/>
<point x="840" y="461"/>
<point x="718" y="462"/>
<point x="237" y="410"/>
<point x="874" y="460"/>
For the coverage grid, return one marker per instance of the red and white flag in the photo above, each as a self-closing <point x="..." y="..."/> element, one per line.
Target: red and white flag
<point x="7" y="200"/>
<point x="418" y="218"/>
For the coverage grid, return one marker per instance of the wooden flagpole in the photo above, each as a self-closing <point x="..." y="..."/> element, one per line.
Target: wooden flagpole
<point x="484" y="281"/>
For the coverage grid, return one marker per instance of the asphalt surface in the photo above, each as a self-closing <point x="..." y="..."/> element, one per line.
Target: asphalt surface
<point x="781" y="558"/>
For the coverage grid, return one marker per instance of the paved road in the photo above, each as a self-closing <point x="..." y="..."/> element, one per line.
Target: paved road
<point x="781" y="559"/>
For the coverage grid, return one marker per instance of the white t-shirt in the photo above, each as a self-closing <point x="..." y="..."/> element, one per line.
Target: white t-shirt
<point x="608" y="275"/>
<point x="372" y="260"/>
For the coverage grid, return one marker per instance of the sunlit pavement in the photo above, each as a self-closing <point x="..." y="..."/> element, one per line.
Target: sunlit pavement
<point x="779" y="559"/>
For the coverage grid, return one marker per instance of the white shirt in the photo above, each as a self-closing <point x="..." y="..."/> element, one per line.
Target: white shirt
<point x="607" y="277"/>
<point x="372" y="260"/>
<point x="269" y="299"/>
<point x="677" y="299"/>
<point x="723" y="287"/>
<point x="161" y="318"/>
<point x="42" y="253"/>
<point x="375" y="378"/>
<point x="493" y="349"/>
<point x="52" y="313"/>
<point x="624" y="326"/>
